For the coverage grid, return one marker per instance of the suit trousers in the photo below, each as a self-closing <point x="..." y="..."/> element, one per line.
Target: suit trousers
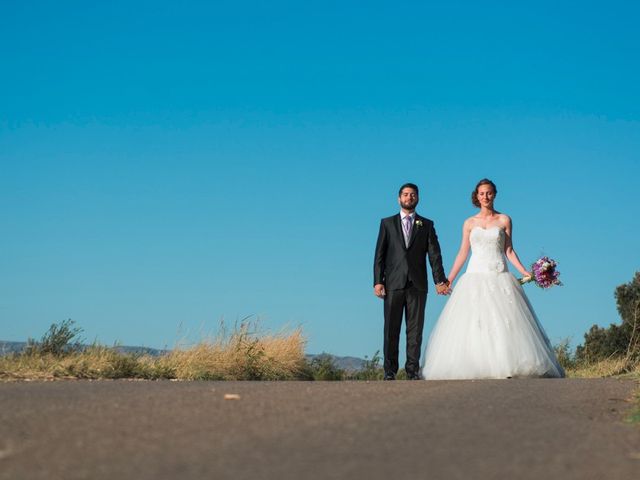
<point x="411" y="302"/>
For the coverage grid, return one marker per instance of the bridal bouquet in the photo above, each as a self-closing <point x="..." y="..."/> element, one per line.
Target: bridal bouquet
<point x="544" y="272"/>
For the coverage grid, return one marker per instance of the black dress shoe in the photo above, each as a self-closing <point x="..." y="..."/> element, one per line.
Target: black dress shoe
<point x="413" y="376"/>
<point x="389" y="376"/>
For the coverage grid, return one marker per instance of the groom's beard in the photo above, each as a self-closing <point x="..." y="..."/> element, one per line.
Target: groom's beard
<point x="409" y="205"/>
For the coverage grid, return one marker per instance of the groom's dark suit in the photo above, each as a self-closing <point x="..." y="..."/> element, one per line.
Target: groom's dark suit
<point x="403" y="271"/>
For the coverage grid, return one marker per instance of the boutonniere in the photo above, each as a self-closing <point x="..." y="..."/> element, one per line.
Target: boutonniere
<point x="419" y="223"/>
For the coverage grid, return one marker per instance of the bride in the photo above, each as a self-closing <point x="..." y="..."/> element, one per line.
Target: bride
<point x="488" y="328"/>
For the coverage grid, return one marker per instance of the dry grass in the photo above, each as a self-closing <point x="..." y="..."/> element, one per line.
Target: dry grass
<point x="241" y="355"/>
<point x="604" y="368"/>
<point x="93" y="362"/>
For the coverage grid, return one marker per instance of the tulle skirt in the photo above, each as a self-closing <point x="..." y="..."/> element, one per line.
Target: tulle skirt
<point x="488" y="329"/>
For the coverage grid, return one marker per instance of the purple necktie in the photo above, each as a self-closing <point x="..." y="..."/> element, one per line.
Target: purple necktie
<point x="407" y="229"/>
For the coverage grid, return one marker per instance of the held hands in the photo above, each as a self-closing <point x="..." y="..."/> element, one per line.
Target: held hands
<point x="443" y="288"/>
<point x="379" y="291"/>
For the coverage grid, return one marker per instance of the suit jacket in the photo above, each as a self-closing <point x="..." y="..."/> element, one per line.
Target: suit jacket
<point x="396" y="264"/>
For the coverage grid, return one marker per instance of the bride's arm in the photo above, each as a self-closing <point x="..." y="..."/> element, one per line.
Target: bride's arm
<point x="463" y="253"/>
<point x="510" y="251"/>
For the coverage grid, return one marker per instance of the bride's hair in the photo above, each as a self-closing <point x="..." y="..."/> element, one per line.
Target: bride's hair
<point x="474" y="194"/>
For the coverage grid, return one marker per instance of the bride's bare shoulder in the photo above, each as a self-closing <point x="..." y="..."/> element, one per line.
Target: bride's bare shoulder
<point x="504" y="219"/>
<point x="469" y="223"/>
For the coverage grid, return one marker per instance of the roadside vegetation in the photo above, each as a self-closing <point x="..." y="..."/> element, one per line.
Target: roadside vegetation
<point x="614" y="350"/>
<point x="324" y="367"/>
<point x="241" y="354"/>
<point x="245" y="354"/>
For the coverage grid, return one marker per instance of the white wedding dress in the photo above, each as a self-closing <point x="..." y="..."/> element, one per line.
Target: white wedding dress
<point x="488" y="328"/>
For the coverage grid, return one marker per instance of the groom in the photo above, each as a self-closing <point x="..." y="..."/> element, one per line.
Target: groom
<point x="400" y="278"/>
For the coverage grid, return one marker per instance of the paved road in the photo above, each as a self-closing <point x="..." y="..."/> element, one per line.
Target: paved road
<point x="505" y="429"/>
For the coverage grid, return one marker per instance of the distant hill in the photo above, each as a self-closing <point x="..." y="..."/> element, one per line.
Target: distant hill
<point x="344" y="363"/>
<point x="17" y="347"/>
<point x="350" y="364"/>
<point x="11" y="347"/>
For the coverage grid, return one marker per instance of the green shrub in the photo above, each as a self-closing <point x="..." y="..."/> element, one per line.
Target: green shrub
<point x="57" y="341"/>
<point x="616" y="340"/>
<point x="371" y="369"/>
<point x="566" y="358"/>
<point x="323" y="367"/>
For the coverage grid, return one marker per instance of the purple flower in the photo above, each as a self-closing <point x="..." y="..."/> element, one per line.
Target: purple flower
<point x="544" y="272"/>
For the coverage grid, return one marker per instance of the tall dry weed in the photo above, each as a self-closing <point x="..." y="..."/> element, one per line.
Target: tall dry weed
<point x="242" y="355"/>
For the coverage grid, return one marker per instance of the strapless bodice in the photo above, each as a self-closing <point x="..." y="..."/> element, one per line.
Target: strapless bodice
<point x="487" y="250"/>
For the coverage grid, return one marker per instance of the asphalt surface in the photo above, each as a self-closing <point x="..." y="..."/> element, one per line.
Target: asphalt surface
<point x="504" y="429"/>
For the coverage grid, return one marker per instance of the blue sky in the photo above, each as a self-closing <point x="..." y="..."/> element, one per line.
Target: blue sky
<point x="164" y="166"/>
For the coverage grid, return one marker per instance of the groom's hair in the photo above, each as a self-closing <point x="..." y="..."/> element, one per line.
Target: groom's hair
<point x="408" y="185"/>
